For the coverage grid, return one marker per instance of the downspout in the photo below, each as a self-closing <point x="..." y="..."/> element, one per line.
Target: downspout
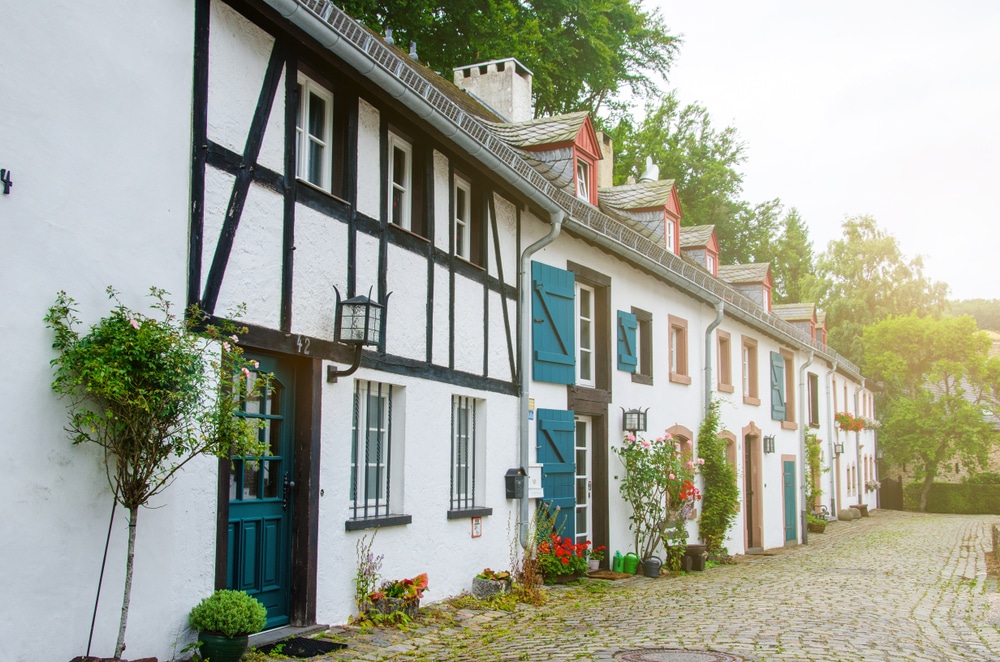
<point x="720" y="306"/>
<point x="857" y="442"/>
<point x="524" y="315"/>
<point x="804" y="418"/>
<point x="830" y="432"/>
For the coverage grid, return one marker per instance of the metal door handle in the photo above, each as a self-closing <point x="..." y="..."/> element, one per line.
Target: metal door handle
<point x="289" y="486"/>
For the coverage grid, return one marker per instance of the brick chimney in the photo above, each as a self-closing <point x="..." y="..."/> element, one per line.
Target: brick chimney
<point x="502" y="85"/>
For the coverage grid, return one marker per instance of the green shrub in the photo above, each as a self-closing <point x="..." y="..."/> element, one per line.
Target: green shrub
<point x="232" y="613"/>
<point x="984" y="478"/>
<point x="718" y="506"/>
<point x="959" y="498"/>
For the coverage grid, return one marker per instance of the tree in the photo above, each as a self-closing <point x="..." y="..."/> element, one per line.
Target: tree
<point x="792" y="262"/>
<point x="153" y="395"/>
<point x="702" y="160"/>
<point x="584" y="53"/>
<point x="718" y="507"/>
<point x="937" y="378"/>
<point x="986" y="312"/>
<point x="864" y="278"/>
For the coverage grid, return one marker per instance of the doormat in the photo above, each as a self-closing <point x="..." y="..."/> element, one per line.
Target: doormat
<point x="609" y="574"/>
<point x="301" y="647"/>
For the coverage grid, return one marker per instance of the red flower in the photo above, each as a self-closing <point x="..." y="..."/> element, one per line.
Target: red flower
<point x="565" y="561"/>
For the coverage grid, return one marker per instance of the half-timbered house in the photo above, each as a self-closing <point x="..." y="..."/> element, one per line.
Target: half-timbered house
<point x="278" y="155"/>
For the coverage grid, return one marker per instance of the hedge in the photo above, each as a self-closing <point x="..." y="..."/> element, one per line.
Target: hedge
<point x="959" y="498"/>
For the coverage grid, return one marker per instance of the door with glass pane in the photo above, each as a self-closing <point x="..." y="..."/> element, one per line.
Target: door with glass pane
<point x="584" y="482"/>
<point x="260" y="504"/>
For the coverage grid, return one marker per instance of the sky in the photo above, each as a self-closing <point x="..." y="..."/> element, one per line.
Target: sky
<point x="884" y="107"/>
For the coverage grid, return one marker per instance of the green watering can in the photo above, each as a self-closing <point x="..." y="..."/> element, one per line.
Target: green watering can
<point x="631" y="563"/>
<point x="618" y="563"/>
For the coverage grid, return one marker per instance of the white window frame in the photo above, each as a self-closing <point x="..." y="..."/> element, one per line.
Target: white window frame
<point x="387" y="487"/>
<point x="404" y="187"/>
<point x="710" y="262"/>
<point x="462" y="221"/>
<point x="303" y="139"/>
<point x="582" y="179"/>
<point x="466" y="453"/>
<point x="668" y="234"/>
<point x="586" y="342"/>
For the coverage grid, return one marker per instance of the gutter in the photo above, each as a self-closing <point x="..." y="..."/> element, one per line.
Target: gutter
<point x="804" y="413"/>
<point x="524" y="350"/>
<point x="720" y="307"/>
<point x="830" y="434"/>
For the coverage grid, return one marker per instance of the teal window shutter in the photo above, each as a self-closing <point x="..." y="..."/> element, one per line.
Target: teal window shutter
<point x="553" y="328"/>
<point x="777" y="386"/>
<point x="557" y="455"/>
<point x="627" y="324"/>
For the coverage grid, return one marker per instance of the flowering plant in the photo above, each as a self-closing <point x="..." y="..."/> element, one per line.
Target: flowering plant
<point x="872" y="485"/>
<point x="848" y="423"/>
<point x="659" y="485"/>
<point x="871" y="423"/>
<point x="495" y="575"/>
<point x="404" y="589"/>
<point x="561" y="556"/>
<point x="596" y="553"/>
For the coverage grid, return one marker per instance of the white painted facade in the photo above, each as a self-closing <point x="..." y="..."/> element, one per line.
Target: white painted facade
<point x="100" y="156"/>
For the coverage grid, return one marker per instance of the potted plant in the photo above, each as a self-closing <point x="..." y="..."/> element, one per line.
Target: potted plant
<point x="595" y="556"/>
<point x="489" y="583"/>
<point x="561" y="560"/>
<point x="224" y="621"/>
<point x="815" y="524"/>
<point x="399" y="596"/>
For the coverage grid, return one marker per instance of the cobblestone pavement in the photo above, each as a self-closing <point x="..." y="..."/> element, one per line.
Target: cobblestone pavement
<point x="895" y="586"/>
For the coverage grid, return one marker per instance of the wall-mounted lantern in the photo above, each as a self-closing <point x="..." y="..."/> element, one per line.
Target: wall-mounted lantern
<point x="358" y="322"/>
<point x="768" y="443"/>
<point x="838" y="448"/>
<point x="634" y="420"/>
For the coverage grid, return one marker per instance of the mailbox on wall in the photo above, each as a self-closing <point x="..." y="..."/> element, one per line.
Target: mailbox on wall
<point x="515" y="483"/>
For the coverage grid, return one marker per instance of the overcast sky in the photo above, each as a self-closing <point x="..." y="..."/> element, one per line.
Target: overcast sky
<point x="887" y="108"/>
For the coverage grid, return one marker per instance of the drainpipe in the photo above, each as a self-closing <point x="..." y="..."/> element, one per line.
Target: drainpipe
<point x="830" y="432"/>
<point x="804" y="418"/>
<point x="524" y="315"/>
<point x="857" y="441"/>
<point x="719" y="308"/>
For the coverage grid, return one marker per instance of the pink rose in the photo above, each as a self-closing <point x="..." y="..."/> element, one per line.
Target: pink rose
<point x="667" y="435"/>
<point x="646" y="444"/>
<point x="134" y="323"/>
<point x="631" y="437"/>
<point x="226" y="346"/>
<point x="690" y="465"/>
<point x="672" y="476"/>
<point x="701" y="460"/>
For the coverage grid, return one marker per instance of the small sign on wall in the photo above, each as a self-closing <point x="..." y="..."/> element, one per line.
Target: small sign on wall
<point x="477" y="527"/>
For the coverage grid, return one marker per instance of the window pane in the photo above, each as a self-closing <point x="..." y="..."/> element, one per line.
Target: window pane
<point x="397" y="206"/>
<point x="251" y="478"/>
<point x="316" y="156"/>
<point x="398" y="167"/>
<point x="272" y="477"/>
<point x="585" y="303"/>
<point x="585" y="339"/>
<point x="317" y="117"/>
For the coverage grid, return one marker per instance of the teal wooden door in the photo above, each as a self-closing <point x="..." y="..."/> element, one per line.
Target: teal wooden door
<point x="788" y="483"/>
<point x="556" y="453"/>
<point x="260" y="505"/>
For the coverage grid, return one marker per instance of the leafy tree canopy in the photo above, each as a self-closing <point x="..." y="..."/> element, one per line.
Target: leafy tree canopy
<point x="938" y="381"/>
<point x="986" y="312"/>
<point x="584" y="53"/>
<point x="792" y="262"/>
<point x="863" y="278"/>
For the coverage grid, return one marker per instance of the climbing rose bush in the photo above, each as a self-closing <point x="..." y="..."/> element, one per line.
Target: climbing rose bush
<point x="658" y="484"/>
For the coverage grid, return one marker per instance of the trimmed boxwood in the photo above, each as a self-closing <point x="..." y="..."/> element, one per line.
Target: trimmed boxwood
<point x="958" y="498"/>
<point x="232" y="613"/>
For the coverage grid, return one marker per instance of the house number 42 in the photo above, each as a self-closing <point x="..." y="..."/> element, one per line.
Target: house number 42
<point x="5" y="180"/>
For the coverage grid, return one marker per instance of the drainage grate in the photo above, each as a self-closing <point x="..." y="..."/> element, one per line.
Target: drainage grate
<point x="676" y="655"/>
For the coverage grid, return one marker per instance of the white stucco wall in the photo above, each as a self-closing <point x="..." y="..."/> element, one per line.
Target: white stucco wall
<point x="100" y="159"/>
<point x="368" y="160"/>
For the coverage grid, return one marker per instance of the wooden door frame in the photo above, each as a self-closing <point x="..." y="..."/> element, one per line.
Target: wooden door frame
<point x="307" y="377"/>
<point x="593" y="403"/>
<point x="753" y="447"/>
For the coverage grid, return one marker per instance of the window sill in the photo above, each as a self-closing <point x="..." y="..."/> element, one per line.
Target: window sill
<point x="469" y="262"/>
<point x="377" y="522"/>
<point x="408" y="231"/>
<point x="465" y="513"/>
<point x="750" y="400"/>
<point x="726" y="388"/>
<point x="678" y="378"/>
<point x="639" y="378"/>
<point x="789" y="425"/>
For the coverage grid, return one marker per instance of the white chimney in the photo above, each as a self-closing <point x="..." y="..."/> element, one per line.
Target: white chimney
<point x="502" y="85"/>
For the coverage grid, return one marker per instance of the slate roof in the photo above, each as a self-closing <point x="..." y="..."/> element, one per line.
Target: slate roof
<point x="636" y="196"/>
<point x="794" y="312"/>
<point x="647" y="223"/>
<point x="744" y="273"/>
<point x="541" y="130"/>
<point x="696" y="236"/>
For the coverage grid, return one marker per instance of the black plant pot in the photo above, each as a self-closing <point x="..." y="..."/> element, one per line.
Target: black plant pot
<point x="220" y="648"/>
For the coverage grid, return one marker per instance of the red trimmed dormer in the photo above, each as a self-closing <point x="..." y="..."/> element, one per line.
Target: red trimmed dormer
<point x="700" y="244"/>
<point x="586" y="154"/>
<point x="752" y="280"/>
<point x="650" y="207"/>
<point x="800" y="315"/>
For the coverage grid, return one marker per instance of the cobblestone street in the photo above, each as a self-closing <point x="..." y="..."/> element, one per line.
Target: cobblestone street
<point x="895" y="586"/>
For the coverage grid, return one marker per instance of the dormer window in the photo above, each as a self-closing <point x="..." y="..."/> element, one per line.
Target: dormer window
<point x="668" y="235"/>
<point x="710" y="263"/>
<point x="583" y="173"/>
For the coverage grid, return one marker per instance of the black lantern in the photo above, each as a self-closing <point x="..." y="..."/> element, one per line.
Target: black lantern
<point x="634" y="420"/>
<point x="769" y="443"/>
<point x="358" y="323"/>
<point x="838" y="448"/>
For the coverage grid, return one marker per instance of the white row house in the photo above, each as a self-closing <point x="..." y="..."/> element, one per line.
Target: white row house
<point x="277" y="154"/>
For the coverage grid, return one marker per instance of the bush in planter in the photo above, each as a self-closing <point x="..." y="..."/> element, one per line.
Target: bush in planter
<point x="230" y="613"/>
<point x="489" y="583"/>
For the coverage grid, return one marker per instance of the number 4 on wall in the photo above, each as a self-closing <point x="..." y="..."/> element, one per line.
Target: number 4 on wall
<point x="5" y="180"/>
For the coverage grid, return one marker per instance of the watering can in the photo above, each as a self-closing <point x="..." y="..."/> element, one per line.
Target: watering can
<point x="616" y="562"/>
<point x="630" y="563"/>
<point x="651" y="567"/>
